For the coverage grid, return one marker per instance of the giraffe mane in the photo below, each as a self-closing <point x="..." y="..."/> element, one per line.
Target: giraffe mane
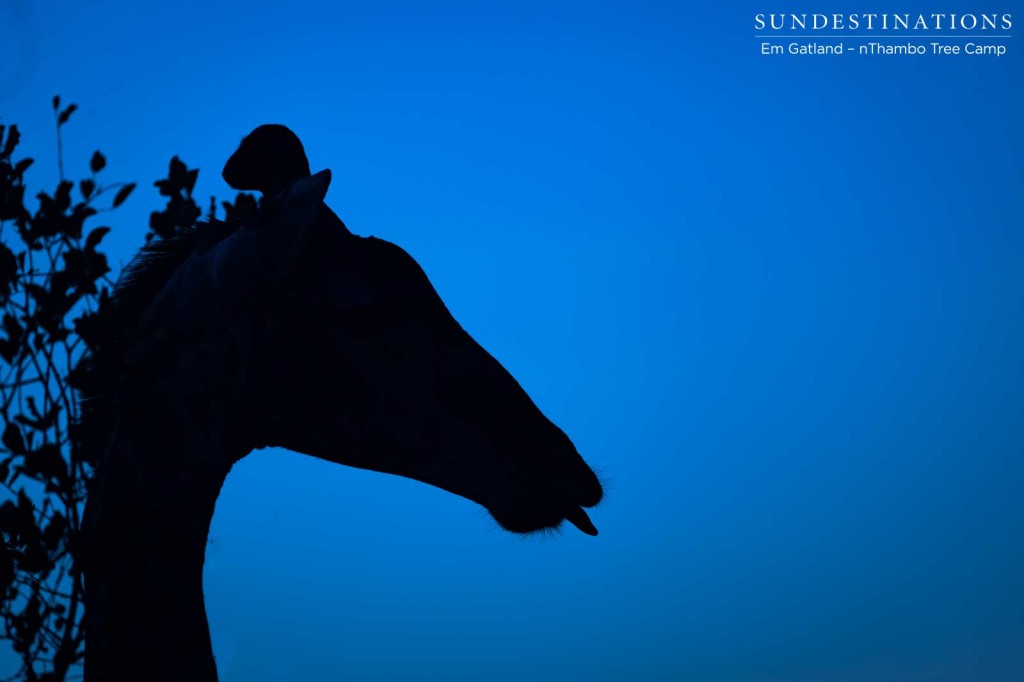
<point x="97" y="375"/>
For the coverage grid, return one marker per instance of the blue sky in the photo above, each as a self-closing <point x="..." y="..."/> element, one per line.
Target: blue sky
<point x="776" y="302"/>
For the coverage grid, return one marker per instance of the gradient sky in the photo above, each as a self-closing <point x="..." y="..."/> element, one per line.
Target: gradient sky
<point x="776" y="302"/>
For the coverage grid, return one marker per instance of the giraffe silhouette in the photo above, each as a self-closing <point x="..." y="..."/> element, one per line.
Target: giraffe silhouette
<point x="289" y="331"/>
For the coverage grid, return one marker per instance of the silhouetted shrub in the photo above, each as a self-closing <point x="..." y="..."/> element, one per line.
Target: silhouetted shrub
<point x="55" y="289"/>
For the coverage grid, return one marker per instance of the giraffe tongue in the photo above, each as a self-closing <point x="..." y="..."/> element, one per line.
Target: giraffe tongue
<point x="577" y="517"/>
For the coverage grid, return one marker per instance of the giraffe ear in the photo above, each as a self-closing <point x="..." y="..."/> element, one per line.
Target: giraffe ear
<point x="308" y="190"/>
<point x="271" y="253"/>
<point x="301" y="203"/>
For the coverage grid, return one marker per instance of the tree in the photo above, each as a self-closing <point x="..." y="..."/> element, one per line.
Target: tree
<point x="55" y="286"/>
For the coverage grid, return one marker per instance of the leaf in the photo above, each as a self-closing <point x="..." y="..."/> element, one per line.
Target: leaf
<point x="10" y="346"/>
<point x="8" y="271"/>
<point x="87" y="186"/>
<point x="98" y="162"/>
<point x="13" y="137"/>
<point x="56" y="102"/>
<point x="32" y="407"/>
<point x="123" y="193"/>
<point x="177" y="175"/>
<point x="22" y="166"/>
<point x="40" y="295"/>
<point x="13" y="440"/>
<point x="8" y="516"/>
<point x="25" y="421"/>
<point x="42" y="422"/>
<point x="52" y="536"/>
<point x="62" y="197"/>
<point x="190" y="182"/>
<point x="47" y="464"/>
<point x="95" y="237"/>
<point x="66" y="114"/>
<point x="177" y="168"/>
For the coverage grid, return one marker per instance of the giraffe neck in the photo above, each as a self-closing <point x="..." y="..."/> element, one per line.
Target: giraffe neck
<point x="146" y="526"/>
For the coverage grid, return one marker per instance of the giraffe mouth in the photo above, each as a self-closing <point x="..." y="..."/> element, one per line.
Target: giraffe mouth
<point x="528" y="517"/>
<point x="545" y="501"/>
<point x="578" y="517"/>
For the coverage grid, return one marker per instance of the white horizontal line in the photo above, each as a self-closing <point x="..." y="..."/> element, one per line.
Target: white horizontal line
<point x="835" y="37"/>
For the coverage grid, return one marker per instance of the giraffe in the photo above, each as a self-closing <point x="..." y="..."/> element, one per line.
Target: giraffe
<point x="287" y="331"/>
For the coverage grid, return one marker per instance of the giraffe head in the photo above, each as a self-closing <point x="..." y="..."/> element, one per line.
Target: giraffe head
<point x="367" y="367"/>
<point x="298" y="334"/>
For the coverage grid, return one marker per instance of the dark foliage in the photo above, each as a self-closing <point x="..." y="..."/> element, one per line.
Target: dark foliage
<point x="55" y="295"/>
